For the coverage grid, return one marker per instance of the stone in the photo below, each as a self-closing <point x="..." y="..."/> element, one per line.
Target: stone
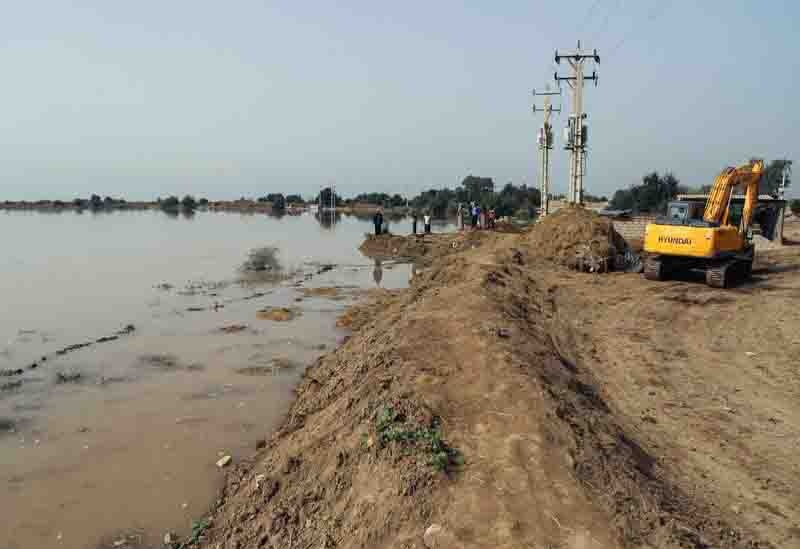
<point x="432" y="536"/>
<point x="224" y="461"/>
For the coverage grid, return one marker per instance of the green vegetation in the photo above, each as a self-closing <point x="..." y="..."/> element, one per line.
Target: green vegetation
<point x="392" y="428"/>
<point x="277" y="200"/>
<point x="324" y="198"/>
<point x="381" y="199"/>
<point x="172" y="205"/>
<point x="294" y="199"/>
<point x="511" y="200"/>
<point x="188" y="203"/>
<point x="771" y="179"/>
<point x="794" y="205"/>
<point x="169" y="204"/>
<point x="651" y="196"/>
<point x="198" y="527"/>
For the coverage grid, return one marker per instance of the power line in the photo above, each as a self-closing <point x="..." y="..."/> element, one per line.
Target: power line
<point x="652" y="16"/>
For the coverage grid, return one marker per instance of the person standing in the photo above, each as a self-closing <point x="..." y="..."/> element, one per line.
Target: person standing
<point x="492" y="219"/>
<point x="460" y="218"/>
<point x="427" y="220"/>
<point x="378" y="221"/>
<point x="414" y="223"/>
<point x="474" y="213"/>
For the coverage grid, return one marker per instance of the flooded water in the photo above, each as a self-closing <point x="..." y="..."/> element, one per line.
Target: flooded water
<point x="144" y="360"/>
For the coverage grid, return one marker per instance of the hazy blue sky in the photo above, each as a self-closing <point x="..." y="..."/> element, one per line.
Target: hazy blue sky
<point x="243" y="97"/>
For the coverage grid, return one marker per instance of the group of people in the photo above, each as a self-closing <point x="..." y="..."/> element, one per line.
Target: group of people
<point x="382" y="228"/>
<point x="426" y="220"/>
<point x="480" y="217"/>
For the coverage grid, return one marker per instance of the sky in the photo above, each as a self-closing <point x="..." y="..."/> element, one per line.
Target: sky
<point x="242" y="98"/>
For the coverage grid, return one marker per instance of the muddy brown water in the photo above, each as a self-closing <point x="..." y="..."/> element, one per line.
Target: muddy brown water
<point x="122" y="436"/>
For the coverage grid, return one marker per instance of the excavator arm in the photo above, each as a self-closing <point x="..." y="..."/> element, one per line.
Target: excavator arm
<point x="717" y="206"/>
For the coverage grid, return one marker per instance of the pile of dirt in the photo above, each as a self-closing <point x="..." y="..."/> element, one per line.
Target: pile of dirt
<point x="423" y="247"/>
<point x="394" y="246"/>
<point x="577" y="238"/>
<point x="485" y="406"/>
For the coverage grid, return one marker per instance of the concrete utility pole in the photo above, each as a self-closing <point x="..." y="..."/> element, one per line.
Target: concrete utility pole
<point x="545" y="141"/>
<point x="576" y="133"/>
<point x="787" y="172"/>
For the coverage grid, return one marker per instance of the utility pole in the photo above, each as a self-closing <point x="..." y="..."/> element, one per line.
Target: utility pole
<point x="545" y="141"/>
<point x="787" y="172"/>
<point x="576" y="133"/>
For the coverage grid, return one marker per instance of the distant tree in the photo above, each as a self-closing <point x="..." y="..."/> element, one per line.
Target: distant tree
<point x="651" y="196"/>
<point x="203" y="202"/>
<point x="476" y="187"/>
<point x="170" y="204"/>
<point x="794" y="205"/>
<point x="773" y="175"/>
<point x="277" y="200"/>
<point x="95" y="202"/>
<point x="79" y="203"/>
<point x="108" y="202"/>
<point x="294" y="199"/>
<point x="188" y="203"/>
<point x="324" y="197"/>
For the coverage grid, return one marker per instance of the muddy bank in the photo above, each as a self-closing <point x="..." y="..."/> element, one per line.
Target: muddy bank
<point x="422" y="247"/>
<point x="487" y="406"/>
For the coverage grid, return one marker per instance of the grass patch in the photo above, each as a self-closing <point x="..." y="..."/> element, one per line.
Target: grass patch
<point x="392" y="427"/>
<point x="198" y="527"/>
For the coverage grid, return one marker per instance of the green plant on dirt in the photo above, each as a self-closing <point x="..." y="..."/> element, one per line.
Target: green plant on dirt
<point x="391" y="427"/>
<point x="198" y="527"/>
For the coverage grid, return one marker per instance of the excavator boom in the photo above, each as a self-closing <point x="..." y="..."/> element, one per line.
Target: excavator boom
<point x="718" y="202"/>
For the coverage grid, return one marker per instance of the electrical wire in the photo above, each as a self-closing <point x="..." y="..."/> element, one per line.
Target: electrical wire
<point x="652" y="16"/>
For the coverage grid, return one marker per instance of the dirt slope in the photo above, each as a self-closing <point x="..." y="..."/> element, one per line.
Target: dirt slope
<point x="518" y="404"/>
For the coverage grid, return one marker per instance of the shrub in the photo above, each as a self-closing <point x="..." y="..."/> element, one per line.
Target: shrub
<point x="170" y="204"/>
<point x="794" y="205"/>
<point x="188" y="203"/>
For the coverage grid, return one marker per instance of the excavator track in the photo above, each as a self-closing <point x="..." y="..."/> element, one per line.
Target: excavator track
<point x="654" y="269"/>
<point x="725" y="275"/>
<point x="717" y="276"/>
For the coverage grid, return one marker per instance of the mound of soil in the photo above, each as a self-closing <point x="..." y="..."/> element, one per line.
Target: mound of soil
<point x="577" y="238"/>
<point x="389" y="245"/>
<point x="487" y="402"/>
<point x="277" y="314"/>
<point x="423" y="247"/>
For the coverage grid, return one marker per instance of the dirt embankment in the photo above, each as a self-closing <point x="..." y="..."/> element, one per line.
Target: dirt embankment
<point x="513" y="403"/>
<point x="423" y="247"/>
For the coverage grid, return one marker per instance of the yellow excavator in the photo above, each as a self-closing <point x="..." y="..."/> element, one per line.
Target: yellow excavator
<point x="719" y="242"/>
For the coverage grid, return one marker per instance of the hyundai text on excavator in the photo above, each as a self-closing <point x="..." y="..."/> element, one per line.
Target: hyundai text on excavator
<point x="718" y="243"/>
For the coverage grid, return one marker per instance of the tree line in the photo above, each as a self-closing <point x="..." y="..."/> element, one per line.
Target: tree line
<point x="652" y="195"/>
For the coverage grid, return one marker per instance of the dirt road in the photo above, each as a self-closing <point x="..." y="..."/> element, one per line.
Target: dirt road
<point x="504" y="401"/>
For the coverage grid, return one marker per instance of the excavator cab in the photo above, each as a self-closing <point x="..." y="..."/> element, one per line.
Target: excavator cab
<point x="683" y="213"/>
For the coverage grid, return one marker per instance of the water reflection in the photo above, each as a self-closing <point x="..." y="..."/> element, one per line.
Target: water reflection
<point x="327" y="218"/>
<point x="377" y="272"/>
